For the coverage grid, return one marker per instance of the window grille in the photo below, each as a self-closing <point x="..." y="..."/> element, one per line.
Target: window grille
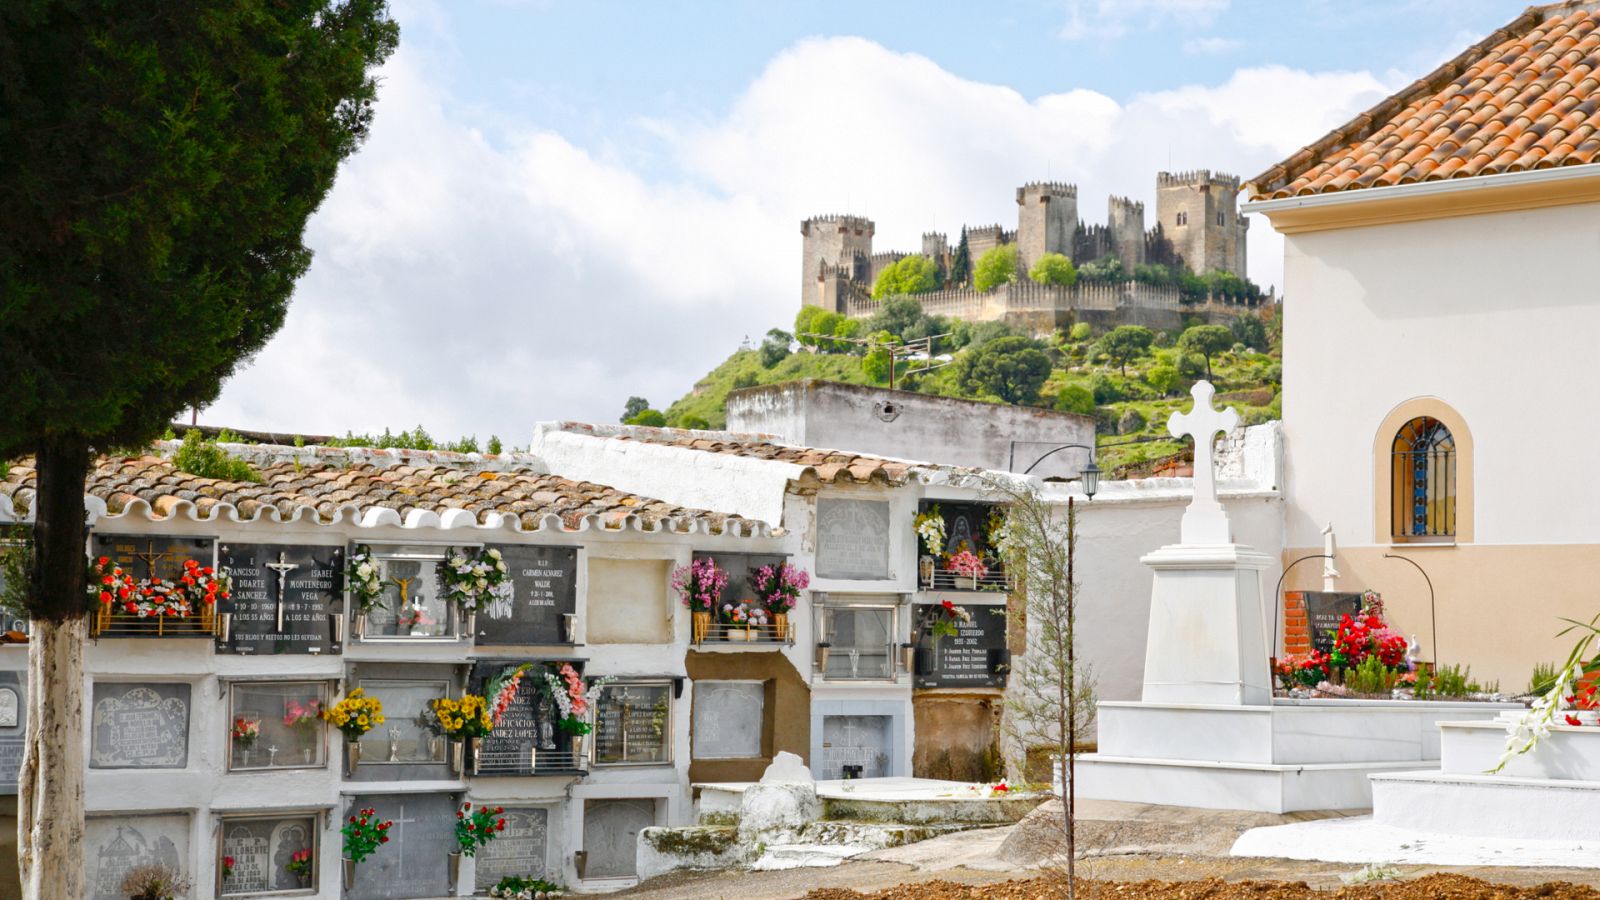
<point x="1423" y="486"/>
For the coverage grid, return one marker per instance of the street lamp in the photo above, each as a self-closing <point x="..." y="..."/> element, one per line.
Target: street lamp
<point x="1090" y="472"/>
<point x="1091" y="479"/>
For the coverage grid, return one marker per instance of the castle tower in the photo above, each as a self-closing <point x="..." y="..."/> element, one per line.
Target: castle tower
<point x="829" y="241"/>
<point x="1047" y="218"/>
<point x="1199" y="213"/>
<point x="982" y="239"/>
<point x="936" y="246"/>
<point x="1125" y="227"/>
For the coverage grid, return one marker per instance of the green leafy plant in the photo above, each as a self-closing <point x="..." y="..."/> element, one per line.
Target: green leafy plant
<point x="520" y="887"/>
<point x="1371" y="677"/>
<point x="1054" y="268"/>
<point x="996" y="267"/>
<point x="364" y="834"/>
<point x="1544" y="675"/>
<point x="476" y="827"/>
<point x="206" y="459"/>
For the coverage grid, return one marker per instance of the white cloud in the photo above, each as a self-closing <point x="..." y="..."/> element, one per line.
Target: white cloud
<point x="1211" y="46"/>
<point x="1102" y="19"/>
<point x="477" y="287"/>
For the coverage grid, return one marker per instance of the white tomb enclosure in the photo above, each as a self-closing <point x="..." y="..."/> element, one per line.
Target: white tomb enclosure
<point x="1207" y="731"/>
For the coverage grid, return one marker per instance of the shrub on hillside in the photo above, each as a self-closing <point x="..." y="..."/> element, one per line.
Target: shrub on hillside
<point x="1075" y="398"/>
<point x="996" y="267"/>
<point x="916" y="274"/>
<point x="1010" y="368"/>
<point x="1055" y="269"/>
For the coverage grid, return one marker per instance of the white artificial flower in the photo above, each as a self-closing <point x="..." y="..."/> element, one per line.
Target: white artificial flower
<point x="493" y="553"/>
<point x="458" y="561"/>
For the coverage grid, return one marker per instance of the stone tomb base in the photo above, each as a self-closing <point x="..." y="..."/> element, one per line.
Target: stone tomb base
<point x="1289" y="756"/>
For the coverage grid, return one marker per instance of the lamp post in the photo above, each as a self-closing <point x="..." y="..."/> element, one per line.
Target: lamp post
<point x="1090" y="472"/>
<point x="1433" y="613"/>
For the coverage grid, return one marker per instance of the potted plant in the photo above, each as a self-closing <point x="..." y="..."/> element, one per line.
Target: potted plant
<point x="363" y="835"/>
<point x="474" y="828"/>
<point x="519" y="887"/>
<point x="739" y="618"/>
<point x="700" y="585"/>
<point x="571" y="697"/>
<point x="246" y="731"/>
<point x="967" y="569"/>
<point x="468" y="578"/>
<point x="778" y="591"/>
<point x="363" y="579"/>
<point x="155" y="882"/>
<point x="355" y="715"/>
<point x="460" y="721"/>
<point x="823" y="649"/>
<point x="299" y="865"/>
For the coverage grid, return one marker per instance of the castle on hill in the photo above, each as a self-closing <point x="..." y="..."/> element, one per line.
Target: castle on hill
<point x="1197" y="228"/>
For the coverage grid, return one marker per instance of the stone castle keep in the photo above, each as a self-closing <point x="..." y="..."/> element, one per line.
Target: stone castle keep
<point x="1198" y="227"/>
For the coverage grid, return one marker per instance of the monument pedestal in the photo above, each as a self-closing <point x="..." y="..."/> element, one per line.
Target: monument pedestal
<point x="1207" y="643"/>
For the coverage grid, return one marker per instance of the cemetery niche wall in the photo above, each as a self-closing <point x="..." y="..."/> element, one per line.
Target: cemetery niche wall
<point x="285" y="598"/>
<point x="852" y="538"/>
<point x="114" y="845"/>
<point x="538" y="603"/>
<point x="633" y="723"/>
<point x="413" y="863"/>
<point x="956" y="546"/>
<point x="528" y="740"/>
<point x="13" y="727"/>
<point x="523" y="849"/>
<point x="976" y="656"/>
<point x="147" y="558"/>
<point x="262" y="847"/>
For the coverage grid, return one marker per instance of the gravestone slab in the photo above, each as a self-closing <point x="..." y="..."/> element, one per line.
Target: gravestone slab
<point x="529" y="607"/>
<point x="852" y="538"/>
<point x="611" y="835"/>
<point x="413" y="863"/>
<point x="631" y="722"/>
<point x="114" y="845"/>
<point x="529" y="722"/>
<point x="261" y="850"/>
<point x="159" y="556"/>
<point x="140" y="726"/>
<point x="13" y="727"/>
<point x="855" y="741"/>
<point x="522" y="849"/>
<point x="1324" y="611"/>
<point x="727" y="719"/>
<point x="974" y="657"/>
<point x="301" y="583"/>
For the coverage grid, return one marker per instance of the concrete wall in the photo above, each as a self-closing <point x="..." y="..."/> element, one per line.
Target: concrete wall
<point x="786" y="720"/>
<point x="1450" y="309"/>
<point x="907" y="425"/>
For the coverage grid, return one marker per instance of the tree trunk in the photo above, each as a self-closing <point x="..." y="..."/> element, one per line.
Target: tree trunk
<point x="50" y="783"/>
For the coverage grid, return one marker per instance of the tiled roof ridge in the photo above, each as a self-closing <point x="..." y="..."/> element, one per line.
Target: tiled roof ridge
<point x="1274" y="180"/>
<point x="259" y="454"/>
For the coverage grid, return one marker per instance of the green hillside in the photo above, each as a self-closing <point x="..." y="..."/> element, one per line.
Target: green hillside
<point x="1130" y="389"/>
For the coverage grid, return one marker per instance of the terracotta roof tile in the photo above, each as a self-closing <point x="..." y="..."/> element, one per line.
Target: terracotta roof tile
<point x="1525" y="97"/>
<point x="329" y="482"/>
<point x="829" y="466"/>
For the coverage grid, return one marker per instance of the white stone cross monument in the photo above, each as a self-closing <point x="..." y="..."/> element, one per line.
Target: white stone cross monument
<point x="1207" y="642"/>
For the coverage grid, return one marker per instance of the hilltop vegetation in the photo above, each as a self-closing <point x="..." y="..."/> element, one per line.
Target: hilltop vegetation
<point x="1130" y="378"/>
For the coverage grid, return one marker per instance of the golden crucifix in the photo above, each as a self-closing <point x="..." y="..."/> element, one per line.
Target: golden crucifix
<point x="150" y="556"/>
<point x="405" y="590"/>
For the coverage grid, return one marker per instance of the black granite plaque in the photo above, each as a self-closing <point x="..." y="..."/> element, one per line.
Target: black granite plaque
<point x="306" y="581"/>
<point x="740" y="567"/>
<point x="160" y="555"/>
<point x="13" y="725"/>
<point x="631" y="722"/>
<point x="521" y="850"/>
<point x="261" y="851"/>
<point x="974" y="657"/>
<point x="413" y="863"/>
<point x="140" y="726"/>
<point x="529" y="724"/>
<point x="528" y="608"/>
<point x="1324" y="612"/>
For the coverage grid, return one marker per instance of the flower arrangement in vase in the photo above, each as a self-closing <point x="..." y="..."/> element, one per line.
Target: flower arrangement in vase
<point x="740" y="619"/>
<point x="299" y="865"/>
<point x="967" y="568"/>
<point x="468" y="578"/>
<point x="1363" y="636"/>
<point x="354" y="716"/>
<point x="1303" y="671"/>
<point x="246" y="731"/>
<point x="363" y="578"/>
<point x="700" y="585"/>
<point x="945" y="617"/>
<point x="476" y="827"/>
<point x="363" y="835"/>
<point x="778" y="592"/>
<point x="413" y="617"/>
<point x="930" y="527"/>
<point x="196" y="589"/>
<point x="565" y="686"/>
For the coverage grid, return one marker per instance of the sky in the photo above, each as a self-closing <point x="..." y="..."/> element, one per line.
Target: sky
<point x="567" y="202"/>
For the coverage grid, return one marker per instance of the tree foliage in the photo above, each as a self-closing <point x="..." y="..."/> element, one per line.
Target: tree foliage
<point x="651" y="417"/>
<point x="775" y="347"/>
<point x="1054" y="268"/>
<point x="996" y="267"/>
<point x="1250" y="331"/>
<point x="915" y="274"/>
<point x="633" y="407"/>
<point x="1012" y="369"/>
<point x="1126" y="343"/>
<point x="960" y="262"/>
<point x="1075" y="398"/>
<point x="878" y="361"/>
<point x="1206" y="340"/>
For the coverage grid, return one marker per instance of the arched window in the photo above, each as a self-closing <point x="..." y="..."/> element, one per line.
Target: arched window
<point x="1423" y="495"/>
<point x="1183" y="218"/>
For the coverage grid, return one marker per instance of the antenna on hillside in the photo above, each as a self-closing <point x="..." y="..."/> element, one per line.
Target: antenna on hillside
<point x="898" y="350"/>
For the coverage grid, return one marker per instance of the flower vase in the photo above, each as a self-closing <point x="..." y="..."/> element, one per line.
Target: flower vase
<point x="305" y="756"/>
<point x="569" y="628"/>
<point x="908" y="657"/>
<point x="577" y="751"/>
<point x="475" y="750"/>
<point x="455" y="871"/>
<point x="702" y="626"/>
<point x="361" y="625"/>
<point x="304" y="878"/>
<point x="349" y="866"/>
<point x="469" y="628"/>
<point x="458" y="751"/>
<point x="925" y="569"/>
<point x="780" y="626"/>
<point x="352" y="755"/>
<point x="823" y="649"/>
<point x="966" y="583"/>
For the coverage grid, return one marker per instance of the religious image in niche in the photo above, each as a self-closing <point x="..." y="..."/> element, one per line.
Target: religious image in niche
<point x="416" y="614"/>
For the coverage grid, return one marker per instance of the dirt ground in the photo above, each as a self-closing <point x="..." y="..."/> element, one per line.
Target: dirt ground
<point x="1128" y="851"/>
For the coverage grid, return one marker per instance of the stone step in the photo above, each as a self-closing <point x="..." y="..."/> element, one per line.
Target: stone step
<point x="1488" y="805"/>
<point x="798" y="856"/>
<point x="1228" y="785"/>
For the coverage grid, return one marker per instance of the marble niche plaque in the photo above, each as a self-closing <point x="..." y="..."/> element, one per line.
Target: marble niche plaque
<point x="140" y="726"/>
<point x="114" y="845"/>
<point x="157" y="556"/>
<point x="13" y="727"/>
<point x="261" y="850"/>
<point x="852" y="538"/>
<point x="857" y="746"/>
<point x="611" y="835"/>
<point x="632" y="724"/>
<point x="299" y="583"/>
<point x="413" y="863"/>
<point x="974" y="657"/>
<point x="529" y="607"/>
<point x="522" y="849"/>
<point x="1324" y="612"/>
<point x="727" y="719"/>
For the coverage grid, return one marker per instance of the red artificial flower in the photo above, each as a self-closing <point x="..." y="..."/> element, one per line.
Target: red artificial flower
<point x="500" y="824"/>
<point x="104" y="560"/>
<point x="1573" y="720"/>
<point x="384" y="839"/>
